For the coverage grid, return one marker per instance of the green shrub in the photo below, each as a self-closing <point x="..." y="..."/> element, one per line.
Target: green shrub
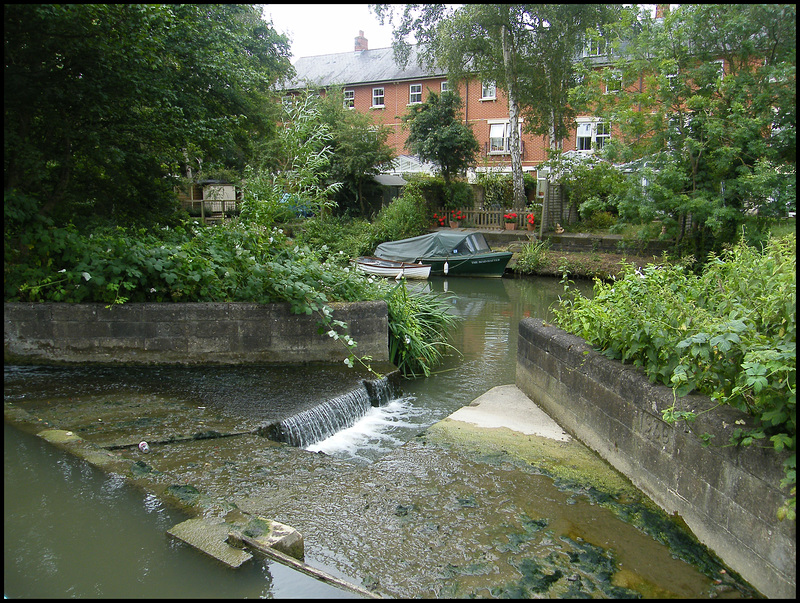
<point x="532" y="256"/>
<point x="729" y="333"/>
<point x="418" y="328"/>
<point x="407" y="216"/>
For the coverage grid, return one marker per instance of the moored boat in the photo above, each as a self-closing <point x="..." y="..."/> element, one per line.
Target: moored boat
<point x="393" y="269"/>
<point x="449" y="253"/>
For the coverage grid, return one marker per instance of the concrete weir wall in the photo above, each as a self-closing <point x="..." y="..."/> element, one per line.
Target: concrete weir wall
<point x="191" y="333"/>
<point x="728" y="496"/>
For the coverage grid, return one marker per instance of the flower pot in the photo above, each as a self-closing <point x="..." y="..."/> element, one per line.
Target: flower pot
<point x="530" y="226"/>
<point x="511" y="226"/>
<point x="453" y="224"/>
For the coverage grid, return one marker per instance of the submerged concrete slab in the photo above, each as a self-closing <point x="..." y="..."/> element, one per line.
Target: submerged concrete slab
<point x="507" y="406"/>
<point x="209" y="536"/>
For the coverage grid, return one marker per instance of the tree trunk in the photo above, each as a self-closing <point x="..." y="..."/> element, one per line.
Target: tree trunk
<point x="513" y="115"/>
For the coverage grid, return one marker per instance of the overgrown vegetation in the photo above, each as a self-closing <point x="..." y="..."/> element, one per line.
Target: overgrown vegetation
<point x="729" y="333"/>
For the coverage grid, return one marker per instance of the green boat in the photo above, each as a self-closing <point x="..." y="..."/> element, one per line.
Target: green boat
<point x="448" y="253"/>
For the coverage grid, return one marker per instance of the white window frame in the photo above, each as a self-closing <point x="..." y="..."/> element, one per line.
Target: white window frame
<point x="613" y="81"/>
<point x="349" y="99"/>
<point x="602" y="134"/>
<point x="595" y="47"/>
<point x="488" y="91"/>
<point x="376" y="96"/>
<point x="591" y="134"/>
<point x="504" y="128"/>
<point x="414" y="94"/>
<point x="445" y="86"/>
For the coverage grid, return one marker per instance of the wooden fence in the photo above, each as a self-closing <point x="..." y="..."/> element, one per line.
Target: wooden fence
<point x="490" y="218"/>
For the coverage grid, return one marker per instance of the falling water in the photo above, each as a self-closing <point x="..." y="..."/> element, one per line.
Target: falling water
<point x="332" y="415"/>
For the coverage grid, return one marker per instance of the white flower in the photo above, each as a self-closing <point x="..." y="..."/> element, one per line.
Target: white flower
<point x="63" y="270"/>
<point x="86" y="275"/>
<point x="152" y="289"/>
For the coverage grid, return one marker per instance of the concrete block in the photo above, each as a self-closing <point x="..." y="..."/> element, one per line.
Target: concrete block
<point x="209" y="536"/>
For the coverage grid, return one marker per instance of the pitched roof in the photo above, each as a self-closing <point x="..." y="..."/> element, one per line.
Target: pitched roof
<point x="365" y="67"/>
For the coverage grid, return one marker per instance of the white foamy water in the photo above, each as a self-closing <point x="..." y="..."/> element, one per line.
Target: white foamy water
<point x="373" y="434"/>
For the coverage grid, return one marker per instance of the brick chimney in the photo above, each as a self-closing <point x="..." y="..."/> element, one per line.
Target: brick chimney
<point x="662" y="10"/>
<point x="361" y="42"/>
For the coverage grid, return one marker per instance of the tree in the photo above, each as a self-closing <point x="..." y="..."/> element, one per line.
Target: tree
<point x="359" y="150"/>
<point x="709" y="99"/>
<point x="527" y="49"/>
<point x="104" y="102"/>
<point x="436" y="134"/>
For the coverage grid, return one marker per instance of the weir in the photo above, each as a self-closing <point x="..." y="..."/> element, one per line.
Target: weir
<point x="331" y="416"/>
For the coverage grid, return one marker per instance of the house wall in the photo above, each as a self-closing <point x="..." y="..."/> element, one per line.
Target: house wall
<point x="476" y="112"/>
<point x="728" y="496"/>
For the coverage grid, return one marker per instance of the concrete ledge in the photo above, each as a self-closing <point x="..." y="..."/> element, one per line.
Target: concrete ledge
<point x="728" y="496"/>
<point x="192" y="333"/>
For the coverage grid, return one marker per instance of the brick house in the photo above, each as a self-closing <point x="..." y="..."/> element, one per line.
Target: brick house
<point x="373" y="83"/>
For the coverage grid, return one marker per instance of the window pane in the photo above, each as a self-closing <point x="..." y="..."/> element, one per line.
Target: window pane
<point x="377" y="97"/>
<point x="415" y="93"/>
<point x="498" y="136"/>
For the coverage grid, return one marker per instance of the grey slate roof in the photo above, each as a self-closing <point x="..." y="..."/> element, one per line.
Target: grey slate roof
<point x="365" y="67"/>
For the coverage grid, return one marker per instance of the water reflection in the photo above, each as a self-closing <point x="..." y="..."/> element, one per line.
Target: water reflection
<point x="70" y="530"/>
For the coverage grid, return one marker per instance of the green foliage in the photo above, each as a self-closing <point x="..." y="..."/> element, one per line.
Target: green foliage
<point x="719" y="145"/>
<point x="436" y="133"/>
<point x="104" y="103"/>
<point x="439" y="193"/>
<point x="298" y="180"/>
<point x="532" y="256"/>
<point x="407" y="216"/>
<point x="358" y="151"/>
<point x="419" y="324"/>
<point x="498" y="189"/>
<point x="729" y="333"/>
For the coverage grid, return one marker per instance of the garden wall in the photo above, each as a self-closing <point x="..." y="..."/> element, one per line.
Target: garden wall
<point x="728" y="496"/>
<point x="191" y="333"/>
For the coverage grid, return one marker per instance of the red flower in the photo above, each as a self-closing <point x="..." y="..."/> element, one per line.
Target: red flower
<point x="531" y="219"/>
<point x="512" y="217"/>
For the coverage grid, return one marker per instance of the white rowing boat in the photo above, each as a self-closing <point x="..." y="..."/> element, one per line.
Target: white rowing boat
<point x="392" y="269"/>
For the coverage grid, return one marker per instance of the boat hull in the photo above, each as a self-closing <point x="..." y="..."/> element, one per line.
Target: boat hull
<point x="483" y="265"/>
<point x="391" y="269"/>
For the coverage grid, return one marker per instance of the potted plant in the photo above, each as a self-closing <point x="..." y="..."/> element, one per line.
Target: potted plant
<point x="440" y="219"/>
<point x="455" y="217"/>
<point x="510" y="220"/>
<point x="531" y="220"/>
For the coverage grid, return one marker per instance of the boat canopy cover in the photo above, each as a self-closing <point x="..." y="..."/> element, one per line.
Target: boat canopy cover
<point x="435" y="244"/>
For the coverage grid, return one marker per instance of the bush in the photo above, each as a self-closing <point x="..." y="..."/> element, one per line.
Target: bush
<point x="498" y="190"/>
<point x="532" y="256"/>
<point x="407" y="216"/>
<point x="458" y="194"/>
<point x="729" y="333"/>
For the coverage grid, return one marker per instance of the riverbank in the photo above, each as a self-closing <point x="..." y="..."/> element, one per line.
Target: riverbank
<point x="580" y="255"/>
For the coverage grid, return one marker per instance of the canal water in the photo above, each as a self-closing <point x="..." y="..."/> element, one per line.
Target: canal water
<point x="71" y="530"/>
